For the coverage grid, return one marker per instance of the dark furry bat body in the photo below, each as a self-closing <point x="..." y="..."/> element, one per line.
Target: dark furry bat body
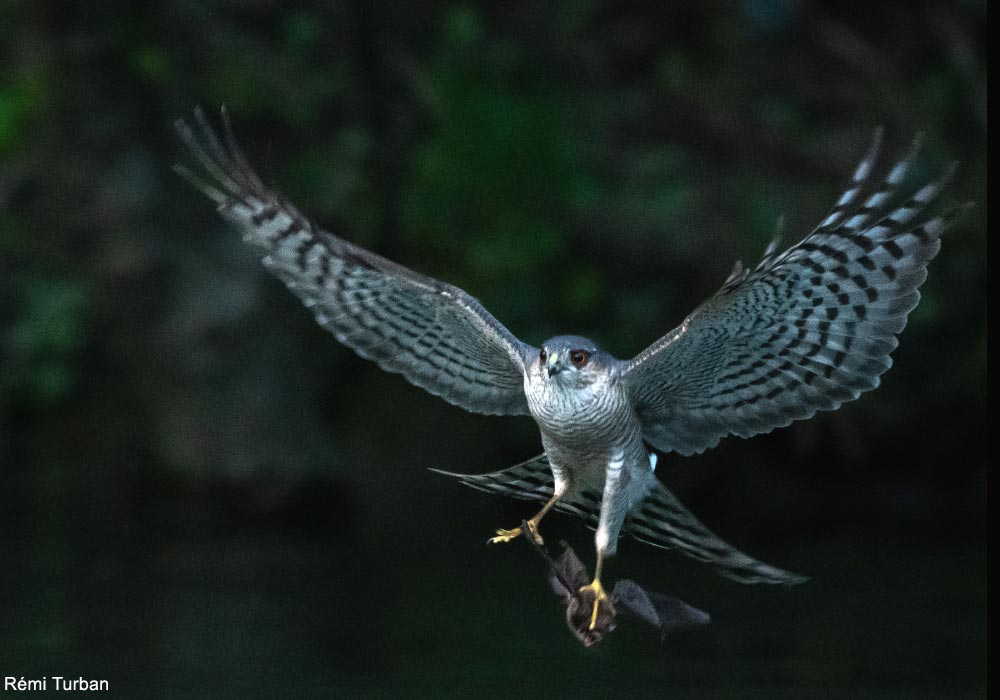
<point x="568" y="578"/>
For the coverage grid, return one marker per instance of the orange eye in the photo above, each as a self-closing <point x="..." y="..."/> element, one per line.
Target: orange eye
<point x="579" y="357"/>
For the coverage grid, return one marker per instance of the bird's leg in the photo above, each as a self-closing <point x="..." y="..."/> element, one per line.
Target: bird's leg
<point x="609" y="524"/>
<point x="596" y="588"/>
<point x="532" y="526"/>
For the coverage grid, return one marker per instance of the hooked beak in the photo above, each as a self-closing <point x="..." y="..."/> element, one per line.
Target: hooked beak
<point x="554" y="364"/>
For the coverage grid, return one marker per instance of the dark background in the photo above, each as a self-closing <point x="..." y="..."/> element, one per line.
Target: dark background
<point x="204" y="495"/>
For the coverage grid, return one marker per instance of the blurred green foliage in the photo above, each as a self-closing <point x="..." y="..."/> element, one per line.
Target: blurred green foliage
<point x="20" y="100"/>
<point x="46" y="338"/>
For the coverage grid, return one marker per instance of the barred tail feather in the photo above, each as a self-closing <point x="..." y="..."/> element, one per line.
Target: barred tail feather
<point x="660" y="520"/>
<point x="532" y="481"/>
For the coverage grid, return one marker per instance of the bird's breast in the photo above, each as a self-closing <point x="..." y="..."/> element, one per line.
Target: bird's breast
<point x="598" y="414"/>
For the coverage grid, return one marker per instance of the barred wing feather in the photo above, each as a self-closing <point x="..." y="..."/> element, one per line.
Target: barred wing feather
<point x="808" y="329"/>
<point x="432" y="333"/>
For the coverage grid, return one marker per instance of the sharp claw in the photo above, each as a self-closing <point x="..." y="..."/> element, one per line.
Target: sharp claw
<point x="593" y="615"/>
<point x="504" y="536"/>
<point x="513" y="534"/>
<point x="599" y="596"/>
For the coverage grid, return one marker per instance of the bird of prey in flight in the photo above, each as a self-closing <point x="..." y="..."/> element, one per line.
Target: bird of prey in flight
<point x="810" y="327"/>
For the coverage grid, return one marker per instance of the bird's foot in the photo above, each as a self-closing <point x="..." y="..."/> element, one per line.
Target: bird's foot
<point x="597" y="590"/>
<point x="509" y="535"/>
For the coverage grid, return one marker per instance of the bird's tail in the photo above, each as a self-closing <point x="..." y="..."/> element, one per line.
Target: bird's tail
<point x="660" y="520"/>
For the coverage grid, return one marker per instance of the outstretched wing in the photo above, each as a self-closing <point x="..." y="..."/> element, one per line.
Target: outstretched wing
<point x="808" y="329"/>
<point x="432" y="333"/>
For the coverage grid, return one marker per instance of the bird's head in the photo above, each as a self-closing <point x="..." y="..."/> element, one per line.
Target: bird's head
<point x="572" y="361"/>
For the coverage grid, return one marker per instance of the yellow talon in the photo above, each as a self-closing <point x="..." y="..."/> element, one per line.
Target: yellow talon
<point x="599" y="596"/>
<point x="532" y="526"/>
<point x="509" y="535"/>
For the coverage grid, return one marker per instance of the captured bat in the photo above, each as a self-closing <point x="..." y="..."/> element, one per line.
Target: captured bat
<point x="569" y="577"/>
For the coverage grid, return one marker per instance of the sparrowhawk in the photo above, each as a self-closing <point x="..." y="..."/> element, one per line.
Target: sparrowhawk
<point x="810" y="327"/>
